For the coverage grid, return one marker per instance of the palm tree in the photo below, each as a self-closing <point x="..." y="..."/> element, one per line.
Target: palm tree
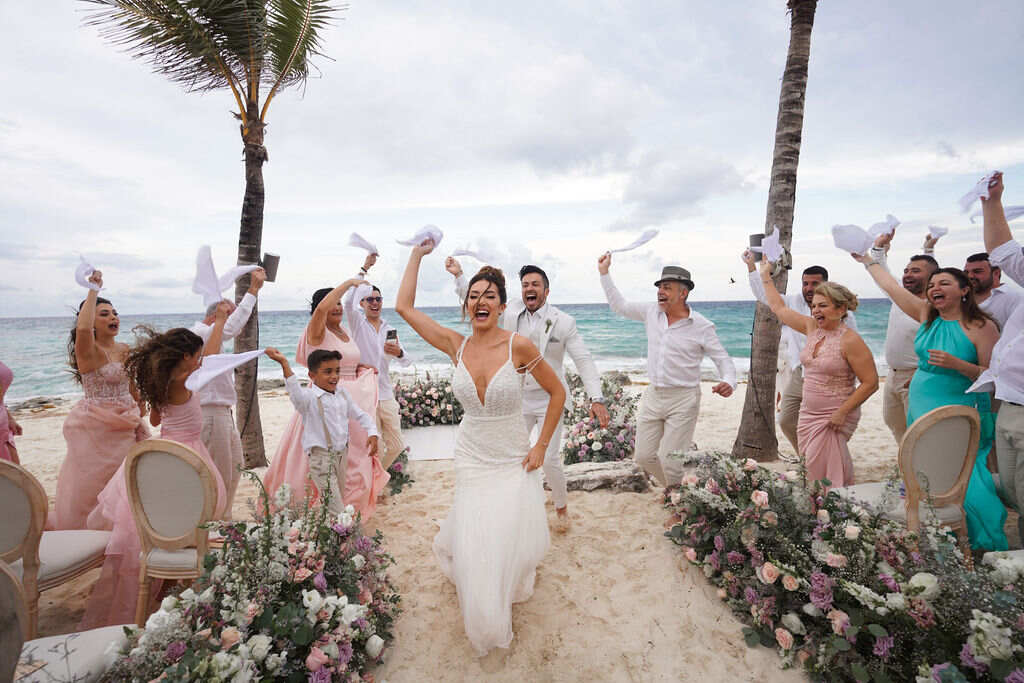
<point x="756" y="438"/>
<point x="237" y="45"/>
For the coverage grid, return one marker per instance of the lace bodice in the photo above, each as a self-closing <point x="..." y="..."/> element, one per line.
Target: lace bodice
<point x="503" y="396"/>
<point x="828" y="370"/>
<point x="107" y="384"/>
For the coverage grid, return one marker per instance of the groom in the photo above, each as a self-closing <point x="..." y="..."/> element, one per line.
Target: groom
<point x="554" y="332"/>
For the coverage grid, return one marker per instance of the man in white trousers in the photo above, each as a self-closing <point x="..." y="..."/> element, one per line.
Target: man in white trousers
<point x="678" y="338"/>
<point x="217" y="398"/>
<point x="555" y="334"/>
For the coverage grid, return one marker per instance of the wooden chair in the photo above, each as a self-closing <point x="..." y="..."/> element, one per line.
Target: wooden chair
<point x="40" y="559"/>
<point x="79" y="657"/>
<point x="936" y="458"/>
<point x="172" y="493"/>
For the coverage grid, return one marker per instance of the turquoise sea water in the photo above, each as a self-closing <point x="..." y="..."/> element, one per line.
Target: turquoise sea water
<point x="35" y="348"/>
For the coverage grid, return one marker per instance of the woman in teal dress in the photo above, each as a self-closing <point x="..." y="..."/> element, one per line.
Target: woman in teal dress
<point x="954" y="345"/>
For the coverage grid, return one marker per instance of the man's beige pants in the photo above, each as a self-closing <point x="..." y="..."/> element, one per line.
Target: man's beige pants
<point x="789" y="406"/>
<point x="1010" y="455"/>
<point x="389" y="424"/>
<point x="220" y="436"/>
<point x="665" y="422"/>
<point x="321" y="461"/>
<point x="896" y="401"/>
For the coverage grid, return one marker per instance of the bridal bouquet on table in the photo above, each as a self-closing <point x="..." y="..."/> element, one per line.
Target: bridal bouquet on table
<point x="300" y="595"/>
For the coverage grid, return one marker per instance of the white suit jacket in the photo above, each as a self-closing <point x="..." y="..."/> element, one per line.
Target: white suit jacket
<point x="558" y="336"/>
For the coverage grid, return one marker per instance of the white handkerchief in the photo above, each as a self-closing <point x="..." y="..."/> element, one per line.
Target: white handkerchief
<point x="427" y="231"/>
<point x="852" y="238"/>
<point x="216" y="365"/>
<point x="475" y="254"/>
<point x="82" y="273"/>
<point x="979" y="191"/>
<point x="357" y="240"/>
<point x="886" y="227"/>
<point x="937" y="231"/>
<point x="1012" y="213"/>
<point x="206" y="281"/>
<point x="770" y="246"/>
<point x="986" y="382"/>
<point x="362" y="291"/>
<point x="638" y="242"/>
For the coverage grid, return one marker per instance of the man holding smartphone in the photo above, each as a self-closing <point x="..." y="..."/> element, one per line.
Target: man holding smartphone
<point x="378" y="346"/>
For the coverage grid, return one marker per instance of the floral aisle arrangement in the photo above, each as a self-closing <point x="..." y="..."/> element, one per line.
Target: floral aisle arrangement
<point x="399" y="471"/>
<point x="298" y="596"/>
<point x="586" y="439"/>
<point x="426" y="402"/>
<point x="842" y="592"/>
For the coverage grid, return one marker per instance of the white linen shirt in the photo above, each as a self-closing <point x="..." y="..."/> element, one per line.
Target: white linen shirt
<point x="339" y="408"/>
<point x="794" y="340"/>
<point x="1000" y="304"/>
<point x="221" y="390"/>
<point x="901" y="332"/>
<point x="1007" y="364"/>
<point x="371" y="345"/>
<point x="674" y="352"/>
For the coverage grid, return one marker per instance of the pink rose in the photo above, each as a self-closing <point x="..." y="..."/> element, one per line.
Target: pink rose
<point x="770" y="518"/>
<point x="691" y="554"/>
<point x="229" y="637"/>
<point x="292" y="535"/>
<point x="837" y="561"/>
<point x="749" y="464"/>
<point x="768" y="573"/>
<point x="784" y="638"/>
<point x="790" y="583"/>
<point x="690" y="480"/>
<point x="840" y="621"/>
<point x="759" y="498"/>
<point x="301" y="574"/>
<point x="316" y="659"/>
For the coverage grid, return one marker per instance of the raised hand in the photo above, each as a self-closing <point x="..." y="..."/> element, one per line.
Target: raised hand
<point x="96" y="278"/>
<point x="275" y="355"/>
<point x="884" y="240"/>
<point x="750" y="258"/>
<point x="604" y="263"/>
<point x="222" y="311"/>
<point x="995" y="188"/>
<point x="371" y="259"/>
<point x="452" y="265"/>
<point x="256" y="280"/>
<point x="929" y="241"/>
<point x="424" y="247"/>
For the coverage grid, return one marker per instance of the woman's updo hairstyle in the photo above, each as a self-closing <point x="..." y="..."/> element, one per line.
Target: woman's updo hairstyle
<point x="838" y="295"/>
<point x="494" y="277"/>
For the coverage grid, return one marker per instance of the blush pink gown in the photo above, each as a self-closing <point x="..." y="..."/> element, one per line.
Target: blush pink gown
<point x="116" y="592"/>
<point x="6" y="438"/>
<point x="99" y="431"/>
<point x="828" y="382"/>
<point x="365" y="478"/>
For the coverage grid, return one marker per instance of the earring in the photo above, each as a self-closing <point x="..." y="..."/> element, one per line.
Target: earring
<point x="964" y="298"/>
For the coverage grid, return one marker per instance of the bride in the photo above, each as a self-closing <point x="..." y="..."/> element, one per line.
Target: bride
<point x="496" y="532"/>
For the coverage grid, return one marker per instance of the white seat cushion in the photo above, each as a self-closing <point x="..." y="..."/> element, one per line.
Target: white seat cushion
<point x="61" y="552"/>
<point x="86" y="659"/>
<point x="172" y="559"/>
<point x="871" y="495"/>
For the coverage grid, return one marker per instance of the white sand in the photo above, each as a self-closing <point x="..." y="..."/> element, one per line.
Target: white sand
<point x="611" y="601"/>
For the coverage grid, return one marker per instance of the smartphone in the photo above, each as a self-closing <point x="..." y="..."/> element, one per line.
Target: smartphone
<point x="392" y="335"/>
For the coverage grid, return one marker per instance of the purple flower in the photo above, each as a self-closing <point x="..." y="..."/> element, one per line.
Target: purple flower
<point x="714" y="561"/>
<point x="735" y="557"/>
<point x="750" y="595"/>
<point x="361" y="624"/>
<point x="363" y="544"/>
<point x="320" y="582"/>
<point x="397" y="467"/>
<point x="882" y="646"/>
<point x="968" y="660"/>
<point x="321" y="675"/>
<point x="344" y="653"/>
<point x="756" y="557"/>
<point x="821" y="591"/>
<point x="1016" y="676"/>
<point x="719" y="543"/>
<point x="889" y="582"/>
<point x="937" y="670"/>
<point x="175" y="650"/>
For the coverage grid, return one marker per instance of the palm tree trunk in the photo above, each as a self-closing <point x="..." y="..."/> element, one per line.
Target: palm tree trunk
<point x="250" y="239"/>
<point x="756" y="438"/>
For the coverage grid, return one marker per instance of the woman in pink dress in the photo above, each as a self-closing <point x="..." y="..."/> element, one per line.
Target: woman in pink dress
<point x="159" y="367"/>
<point x="9" y="428"/>
<point x="365" y="478"/>
<point x="103" y="426"/>
<point x="833" y="359"/>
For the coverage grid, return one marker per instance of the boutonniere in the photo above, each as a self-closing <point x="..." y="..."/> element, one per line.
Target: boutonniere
<point x="547" y="325"/>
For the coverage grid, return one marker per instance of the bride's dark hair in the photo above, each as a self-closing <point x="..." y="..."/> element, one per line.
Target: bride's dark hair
<point x="494" y="277"/>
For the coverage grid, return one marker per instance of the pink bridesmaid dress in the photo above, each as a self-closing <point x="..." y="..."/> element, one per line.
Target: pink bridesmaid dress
<point x="365" y="478"/>
<point x="6" y="437"/>
<point x="116" y="592"/>
<point x="828" y="382"/>
<point x="99" y="431"/>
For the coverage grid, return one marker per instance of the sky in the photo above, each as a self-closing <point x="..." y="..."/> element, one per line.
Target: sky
<point x="544" y="131"/>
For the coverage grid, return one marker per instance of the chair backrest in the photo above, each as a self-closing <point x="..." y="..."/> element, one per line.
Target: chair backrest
<point x="23" y="508"/>
<point x="937" y="455"/>
<point x="172" y="491"/>
<point x="13" y="621"/>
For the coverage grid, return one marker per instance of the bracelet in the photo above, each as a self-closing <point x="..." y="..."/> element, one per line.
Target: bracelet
<point x="872" y="263"/>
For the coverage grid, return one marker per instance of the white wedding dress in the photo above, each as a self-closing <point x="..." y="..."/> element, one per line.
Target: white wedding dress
<point x="496" y="532"/>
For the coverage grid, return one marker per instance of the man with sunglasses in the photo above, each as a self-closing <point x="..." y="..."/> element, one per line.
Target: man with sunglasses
<point x="378" y="346"/>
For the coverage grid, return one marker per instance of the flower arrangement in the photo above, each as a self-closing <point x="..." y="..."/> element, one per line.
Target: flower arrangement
<point x="298" y="596"/>
<point x="427" y="402"/>
<point x="842" y="592"/>
<point x="399" y="471"/>
<point x="587" y="440"/>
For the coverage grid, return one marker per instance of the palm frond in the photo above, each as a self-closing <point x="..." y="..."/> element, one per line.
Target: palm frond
<point x="294" y="30"/>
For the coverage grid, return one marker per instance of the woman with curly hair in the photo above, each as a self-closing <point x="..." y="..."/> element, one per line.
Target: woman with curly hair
<point x="158" y="366"/>
<point x="103" y="426"/>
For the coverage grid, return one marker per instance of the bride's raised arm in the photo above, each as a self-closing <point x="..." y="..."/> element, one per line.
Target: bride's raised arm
<point x="434" y="333"/>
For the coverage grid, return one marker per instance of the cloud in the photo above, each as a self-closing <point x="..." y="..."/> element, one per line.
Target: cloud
<point x="167" y="283"/>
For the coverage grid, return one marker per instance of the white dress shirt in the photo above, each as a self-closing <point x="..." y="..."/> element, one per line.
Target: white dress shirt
<point x="339" y="408"/>
<point x="1000" y="304"/>
<point x="221" y="390"/>
<point x="371" y="345"/>
<point x="901" y="332"/>
<point x="1007" y="364"/>
<point x="794" y="341"/>
<point x="674" y="352"/>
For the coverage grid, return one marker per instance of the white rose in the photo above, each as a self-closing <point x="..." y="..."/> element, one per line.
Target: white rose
<point x="187" y="595"/>
<point x="313" y="601"/>
<point x="374" y="646"/>
<point x="226" y="663"/>
<point x="358" y="561"/>
<point x="792" y="622"/>
<point x="927" y="583"/>
<point x="274" y="662"/>
<point x="157" y="620"/>
<point x="852" y="532"/>
<point x="823" y="516"/>
<point x="810" y="610"/>
<point x="259" y="646"/>
<point x="597" y="445"/>
<point x="168" y="603"/>
<point x="331" y="650"/>
<point x="896" y="602"/>
<point x="350" y="613"/>
<point x="206" y="596"/>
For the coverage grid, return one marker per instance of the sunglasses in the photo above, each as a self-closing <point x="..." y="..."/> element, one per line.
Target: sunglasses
<point x="373" y="299"/>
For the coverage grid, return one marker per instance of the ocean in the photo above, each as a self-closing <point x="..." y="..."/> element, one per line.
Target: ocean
<point x="36" y="348"/>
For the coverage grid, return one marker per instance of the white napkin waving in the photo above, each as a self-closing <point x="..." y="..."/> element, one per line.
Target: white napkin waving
<point x="937" y="231"/>
<point x="852" y="238"/>
<point x="638" y="242"/>
<point x="207" y="283"/>
<point x="985" y="383"/>
<point x="1012" y="213"/>
<point x="886" y="227"/>
<point x="474" y="254"/>
<point x="357" y="240"/>
<point x="770" y="246"/>
<point x="217" y="364"/>
<point x="979" y="191"/>
<point x="82" y="273"/>
<point x="431" y="232"/>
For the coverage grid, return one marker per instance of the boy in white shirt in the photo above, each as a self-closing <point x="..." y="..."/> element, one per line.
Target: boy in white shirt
<point x="326" y="409"/>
